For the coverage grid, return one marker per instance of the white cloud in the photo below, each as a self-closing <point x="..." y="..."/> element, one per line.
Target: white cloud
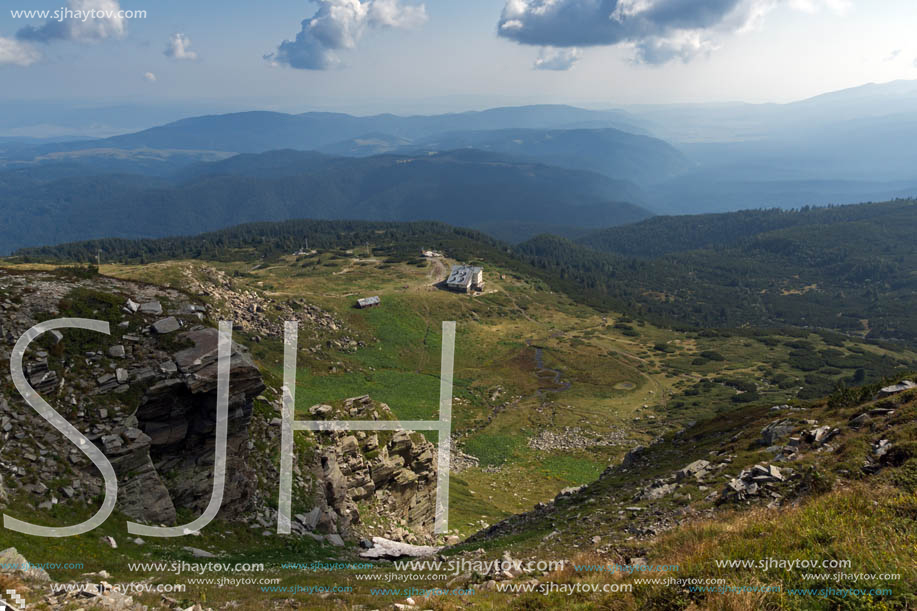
<point x="658" y="30"/>
<point x="393" y="14"/>
<point x="93" y="20"/>
<point x="179" y="47"/>
<point x="15" y="53"/>
<point x="683" y="46"/>
<point x="339" y="25"/>
<point x="557" y="59"/>
<point x="150" y="77"/>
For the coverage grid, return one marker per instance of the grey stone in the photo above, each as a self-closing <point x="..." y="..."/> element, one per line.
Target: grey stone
<point x="821" y="435"/>
<point x="775" y="431"/>
<point x="401" y="443"/>
<point x="310" y="520"/>
<point x="657" y="492"/>
<point x="112" y="443"/>
<point x="168" y="367"/>
<point x="151" y="307"/>
<point x="896" y="388"/>
<point x="350" y="446"/>
<point x="133" y="434"/>
<point x="320" y="411"/>
<point x="695" y="469"/>
<point x="117" y="352"/>
<point x="166" y="325"/>
<point x="392" y="550"/>
<point x="199" y="553"/>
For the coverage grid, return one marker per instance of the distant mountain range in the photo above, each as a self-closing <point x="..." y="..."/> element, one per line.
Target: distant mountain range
<point x="513" y="172"/>
<point x="260" y="131"/>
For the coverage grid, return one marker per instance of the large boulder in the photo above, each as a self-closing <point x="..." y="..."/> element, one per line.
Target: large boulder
<point x="386" y="549"/>
<point x="696" y="469"/>
<point x="775" y="431"/>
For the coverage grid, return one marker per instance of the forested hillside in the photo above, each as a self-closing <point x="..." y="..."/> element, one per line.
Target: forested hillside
<point x="847" y="268"/>
<point x="853" y="273"/>
<point x="464" y="188"/>
<point x="667" y="234"/>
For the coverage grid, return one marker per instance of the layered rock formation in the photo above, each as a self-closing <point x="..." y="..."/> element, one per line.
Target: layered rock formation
<point x="392" y="474"/>
<point x="146" y="396"/>
<point x="179" y="416"/>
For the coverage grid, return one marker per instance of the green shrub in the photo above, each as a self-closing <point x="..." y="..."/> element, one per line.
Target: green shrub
<point x="905" y="477"/>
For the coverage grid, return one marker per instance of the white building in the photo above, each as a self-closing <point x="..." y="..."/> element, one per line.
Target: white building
<point x="466" y="278"/>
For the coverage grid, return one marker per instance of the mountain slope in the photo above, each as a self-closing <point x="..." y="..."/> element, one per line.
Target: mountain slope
<point x="464" y="188"/>
<point x="611" y="152"/>
<point x="816" y="481"/>
<point x="662" y="235"/>
<point x="692" y="271"/>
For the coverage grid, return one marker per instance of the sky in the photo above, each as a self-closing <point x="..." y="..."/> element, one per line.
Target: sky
<point x="418" y="57"/>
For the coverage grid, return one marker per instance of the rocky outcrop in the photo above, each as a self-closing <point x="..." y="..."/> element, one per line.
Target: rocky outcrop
<point x="178" y="415"/>
<point x="263" y="316"/>
<point x="394" y="478"/>
<point x="894" y="389"/>
<point x="145" y="395"/>
<point x="141" y="493"/>
<point x="756" y="481"/>
<point x="575" y="438"/>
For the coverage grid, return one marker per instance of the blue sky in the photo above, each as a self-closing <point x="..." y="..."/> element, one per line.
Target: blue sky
<point x="437" y="55"/>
